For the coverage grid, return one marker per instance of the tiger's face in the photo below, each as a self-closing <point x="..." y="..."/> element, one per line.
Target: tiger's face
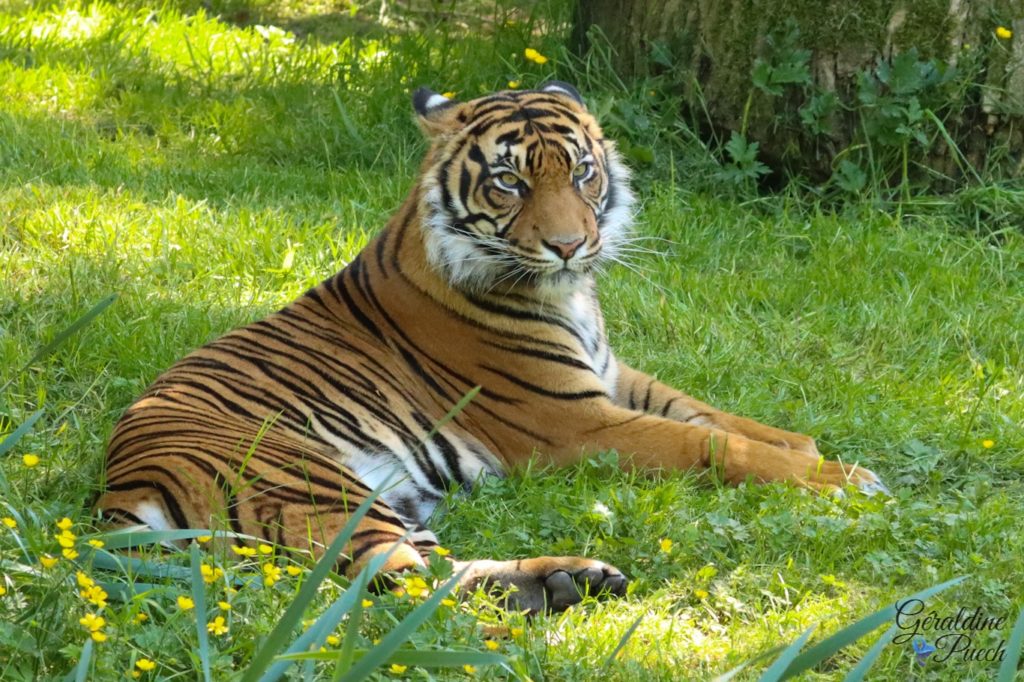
<point x="520" y="189"/>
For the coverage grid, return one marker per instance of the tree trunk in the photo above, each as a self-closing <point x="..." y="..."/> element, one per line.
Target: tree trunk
<point x="812" y="81"/>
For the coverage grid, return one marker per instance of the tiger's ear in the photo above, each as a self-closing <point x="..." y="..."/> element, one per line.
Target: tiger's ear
<point x="436" y="114"/>
<point x="563" y="88"/>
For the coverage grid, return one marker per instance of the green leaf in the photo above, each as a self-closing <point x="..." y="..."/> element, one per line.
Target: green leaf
<point x="394" y="639"/>
<point x="1008" y="669"/>
<point x="622" y="642"/>
<point x="861" y="669"/>
<point x="199" y="597"/>
<point x="277" y="638"/>
<point x="75" y="326"/>
<point x="7" y="443"/>
<point x="777" y="670"/>
<point x="82" y="669"/>
<point x="828" y="647"/>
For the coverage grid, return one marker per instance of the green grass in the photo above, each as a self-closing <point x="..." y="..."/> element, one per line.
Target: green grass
<point x="208" y="171"/>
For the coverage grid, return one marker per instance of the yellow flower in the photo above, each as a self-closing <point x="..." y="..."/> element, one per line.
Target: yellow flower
<point x="513" y="85"/>
<point x="203" y="539"/>
<point x="516" y="632"/>
<point x="30" y="460"/>
<point x="135" y="674"/>
<point x="987" y="443"/>
<point x="441" y="551"/>
<point x="450" y="603"/>
<point x="333" y="640"/>
<point x="367" y="603"/>
<point x="416" y="587"/>
<point x="491" y="644"/>
<point x="145" y="665"/>
<point x="92" y="622"/>
<point x="217" y="626"/>
<point x="534" y="56"/>
<point x="94" y="594"/>
<point x="84" y="580"/>
<point x="211" y="574"/>
<point x="70" y="554"/>
<point x="294" y="571"/>
<point x="185" y="603"/>
<point x="1004" y="33"/>
<point x="141" y="618"/>
<point x="66" y="539"/>
<point x="223" y="606"/>
<point x="398" y="669"/>
<point x="266" y="549"/>
<point x="3" y="590"/>
<point x="700" y="594"/>
<point x="98" y="636"/>
<point x="98" y="544"/>
<point x="9" y="522"/>
<point x="448" y="95"/>
<point x="666" y="545"/>
<point x="243" y="551"/>
<point x="47" y="561"/>
<point x="469" y="669"/>
<point x="65" y="524"/>
<point x="271" y="574"/>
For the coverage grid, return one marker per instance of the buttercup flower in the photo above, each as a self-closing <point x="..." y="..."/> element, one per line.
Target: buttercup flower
<point x="513" y="85"/>
<point x="65" y="523"/>
<point x="223" y="606"/>
<point x="98" y="544"/>
<point x="243" y="551"/>
<point x="271" y="574"/>
<point x="92" y="622"/>
<point x="95" y="595"/>
<point x="293" y="571"/>
<point x="398" y="669"/>
<point x="666" y="545"/>
<point x="441" y="551"/>
<point x="450" y="603"/>
<point x="987" y="443"/>
<point x="69" y="554"/>
<point x="266" y="549"/>
<point x="47" y="561"/>
<point x="534" y="56"/>
<point x="491" y="644"/>
<point x="469" y="669"/>
<point x="333" y="640"/>
<point x="3" y="590"/>
<point x="1004" y="33"/>
<point x="141" y="618"/>
<point x="448" y="95"/>
<point x="203" y="539"/>
<point x="367" y="603"/>
<point x="145" y="665"/>
<point x="9" y="522"/>
<point x="217" y="626"/>
<point x="416" y="587"/>
<point x="211" y="574"/>
<point x="516" y="632"/>
<point x="186" y="603"/>
<point x="30" y="460"/>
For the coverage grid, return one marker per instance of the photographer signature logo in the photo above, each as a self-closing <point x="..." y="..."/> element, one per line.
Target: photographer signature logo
<point x="940" y="637"/>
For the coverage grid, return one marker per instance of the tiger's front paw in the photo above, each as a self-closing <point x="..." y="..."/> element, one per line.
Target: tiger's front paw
<point x="567" y="586"/>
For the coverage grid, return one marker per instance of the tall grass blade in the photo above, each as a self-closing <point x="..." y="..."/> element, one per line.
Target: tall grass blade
<point x="777" y="670"/>
<point x="861" y="669"/>
<point x="420" y="659"/>
<point x="1008" y="669"/>
<point x="622" y="642"/>
<point x="7" y="443"/>
<point x="199" y="597"/>
<point x="278" y="637"/>
<point x="726" y="676"/>
<point x="827" y="647"/>
<point x="452" y="413"/>
<point x="73" y="328"/>
<point x="379" y="654"/>
<point x="316" y="634"/>
<point x="132" y="537"/>
<point x="82" y="669"/>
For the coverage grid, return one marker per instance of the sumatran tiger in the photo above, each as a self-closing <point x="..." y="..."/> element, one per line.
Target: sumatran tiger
<point x="484" y="278"/>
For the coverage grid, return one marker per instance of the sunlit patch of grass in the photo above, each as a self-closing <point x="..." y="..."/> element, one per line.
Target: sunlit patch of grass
<point x="207" y="170"/>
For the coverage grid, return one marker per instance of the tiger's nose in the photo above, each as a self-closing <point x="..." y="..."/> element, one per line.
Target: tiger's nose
<point x="564" y="246"/>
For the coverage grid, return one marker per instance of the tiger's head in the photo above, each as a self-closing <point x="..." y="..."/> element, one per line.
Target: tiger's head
<point x="519" y="189"/>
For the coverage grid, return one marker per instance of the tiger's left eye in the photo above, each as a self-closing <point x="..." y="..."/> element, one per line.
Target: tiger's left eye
<point x="581" y="171"/>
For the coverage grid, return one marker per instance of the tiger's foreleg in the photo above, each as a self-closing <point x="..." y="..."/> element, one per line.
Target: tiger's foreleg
<point x="638" y="391"/>
<point x="655" y="442"/>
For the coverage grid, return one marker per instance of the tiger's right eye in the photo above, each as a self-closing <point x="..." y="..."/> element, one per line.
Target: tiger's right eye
<point x="507" y="181"/>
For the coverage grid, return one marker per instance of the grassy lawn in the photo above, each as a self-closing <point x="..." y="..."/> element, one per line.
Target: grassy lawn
<point x="208" y="170"/>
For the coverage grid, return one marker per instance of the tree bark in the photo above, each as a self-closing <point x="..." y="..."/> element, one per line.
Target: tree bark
<point x="708" y="50"/>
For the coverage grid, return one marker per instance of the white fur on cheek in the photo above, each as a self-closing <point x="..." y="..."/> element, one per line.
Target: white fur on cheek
<point x="615" y="223"/>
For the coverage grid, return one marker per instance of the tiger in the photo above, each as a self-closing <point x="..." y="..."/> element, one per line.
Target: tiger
<point x="482" y="285"/>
